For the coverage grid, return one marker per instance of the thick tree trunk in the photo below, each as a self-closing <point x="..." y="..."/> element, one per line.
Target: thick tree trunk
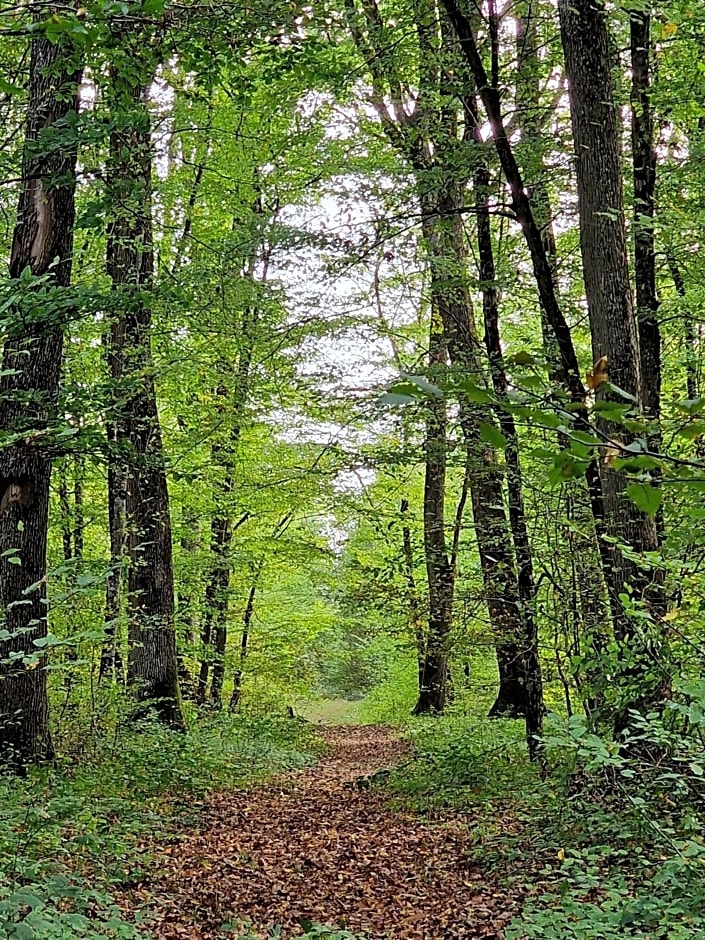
<point x="603" y="245"/>
<point x="589" y="582"/>
<point x="152" y="660"/>
<point x="613" y="327"/>
<point x="43" y="243"/>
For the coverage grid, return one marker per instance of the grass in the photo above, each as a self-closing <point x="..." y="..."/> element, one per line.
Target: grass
<point x="336" y="711"/>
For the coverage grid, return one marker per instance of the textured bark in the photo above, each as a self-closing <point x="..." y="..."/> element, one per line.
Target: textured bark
<point x="433" y="692"/>
<point x="590" y="582"/>
<point x="613" y="328"/>
<point x="152" y="660"/>
<point x="43" y="243"/>
<point x="529" y="652"/>
<point x="613" y="325"/>
<point x="644" y="159"/>
<point x="443" y="230"/>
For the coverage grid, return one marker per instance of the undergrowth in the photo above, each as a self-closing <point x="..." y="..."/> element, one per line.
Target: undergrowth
<point x="72" y="831"/>
<point x="606" y="844"/>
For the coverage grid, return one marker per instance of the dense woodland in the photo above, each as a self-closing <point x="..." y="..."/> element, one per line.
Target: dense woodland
<point x="352" y="361"/>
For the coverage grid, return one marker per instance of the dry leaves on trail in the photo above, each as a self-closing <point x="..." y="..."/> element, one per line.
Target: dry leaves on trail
<point x="309" y="847"/>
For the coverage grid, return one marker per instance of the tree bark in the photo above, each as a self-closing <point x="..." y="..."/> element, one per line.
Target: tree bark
<point x="152" y="661"/>
<point x="443" y="230"/>
<point x="433" y="692"/>
<point x="590" y="582"/>
<point x="42" y="244"/>
<point x="644" y="160"/>
<point x="530" y="663"/>
<point x="603" y="245"/>
<point x="236" y="697"/>
<point x="614" y="332"/>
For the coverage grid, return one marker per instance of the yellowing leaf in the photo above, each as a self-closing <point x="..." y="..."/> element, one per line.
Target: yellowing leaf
<point x="668" y="30"/>
<point x="597" y="375"/>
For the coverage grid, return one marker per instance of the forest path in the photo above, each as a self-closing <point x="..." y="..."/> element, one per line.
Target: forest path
<point x="310" y="846"/>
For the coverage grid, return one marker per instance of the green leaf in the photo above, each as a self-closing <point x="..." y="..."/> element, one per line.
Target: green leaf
<point x="475" y="393"/>
<point x="9" y="89"/>
<point x="521" y="358"/>
<point x="623" y="394"/>
<point x="23" y="932"/>
<point x="645" y="497"/>
<point x="492" y="435"/>
<point x="428" y="388"/>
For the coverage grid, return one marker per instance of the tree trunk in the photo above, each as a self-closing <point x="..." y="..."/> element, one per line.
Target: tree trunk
<point x="236" y="697"/>
<point x="613" y="328"/>
<point x="603" y="245"/>
<point x="647" y="301"/>
<point x="186" y="615"/>
<point x="529" y="651"/>
<point x="433" y="693"/>
<point x="692" y="359"/>
<point x="644" y="159"/>
<point x="222" y="529"/>
<point x="448" y="260"/>
<point x="152" y="661"/>
<point x="42" y="243"/>
<point x="79" y="521"/>
<point x="589" y="582"/>
<point x="65" y="510"/>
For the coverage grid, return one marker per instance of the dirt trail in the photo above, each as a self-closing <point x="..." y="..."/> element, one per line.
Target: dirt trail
<point x="312" y="847"/>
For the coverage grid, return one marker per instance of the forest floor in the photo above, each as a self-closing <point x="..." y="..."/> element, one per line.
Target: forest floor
<point x="321" y="846"/>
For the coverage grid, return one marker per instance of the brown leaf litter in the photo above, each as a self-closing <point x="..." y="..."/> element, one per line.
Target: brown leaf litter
<point x="311" y="846"/>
